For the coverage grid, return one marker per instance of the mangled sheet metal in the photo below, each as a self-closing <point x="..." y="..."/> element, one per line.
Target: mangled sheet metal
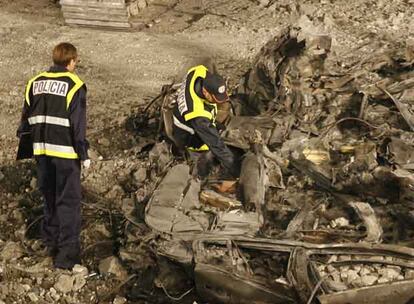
<point x="343" y="140"/>
<point x="253" y="180"/>
<point x="242" y="130"/>
<point x="168" y="207"/>
<point x="241" y="270"/>
<point x="175" y="209"/>
<point x="345" y="132"/>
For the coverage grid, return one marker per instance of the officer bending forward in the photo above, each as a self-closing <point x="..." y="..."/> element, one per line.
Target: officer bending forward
<point x="194" y="119"/>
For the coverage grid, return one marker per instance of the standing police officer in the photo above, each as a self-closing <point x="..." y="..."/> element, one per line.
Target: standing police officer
<point x="194" y="118"/>
<point x="54" y="114"/>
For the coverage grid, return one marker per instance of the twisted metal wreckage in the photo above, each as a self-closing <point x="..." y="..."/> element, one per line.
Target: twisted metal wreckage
<point x="326" y="176"/>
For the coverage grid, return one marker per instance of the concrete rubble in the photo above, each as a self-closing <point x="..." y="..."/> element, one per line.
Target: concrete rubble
<point x="318" y="125"/>
<point x="322" y="211"/>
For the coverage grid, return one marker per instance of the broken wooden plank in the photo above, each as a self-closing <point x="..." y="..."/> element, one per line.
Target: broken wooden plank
<point x="103" y="13"/>
<point x="109" y="4"/>
<point x="96" y="17"/>
<point x="220" y="201"/>
<point x="95" y="10"/>
<point x="121" y="25"/>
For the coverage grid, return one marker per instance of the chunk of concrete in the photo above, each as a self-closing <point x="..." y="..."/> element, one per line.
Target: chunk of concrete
<point x="112" y="265"/>
<point x="64" y="283"/>
<point x="390" y="274"/>
<point x="11" y="250"/>
<point x="369" y="280"/>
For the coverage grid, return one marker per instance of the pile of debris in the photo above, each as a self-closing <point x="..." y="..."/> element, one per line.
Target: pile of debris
<point x="320" y="213"/>
<point x="327" y="160"/>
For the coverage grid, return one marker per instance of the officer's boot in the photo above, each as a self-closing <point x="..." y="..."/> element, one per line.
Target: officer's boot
<point x="68" y="255"/>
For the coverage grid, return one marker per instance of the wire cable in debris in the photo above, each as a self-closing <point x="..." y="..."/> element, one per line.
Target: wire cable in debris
<point x="175" y="298"/>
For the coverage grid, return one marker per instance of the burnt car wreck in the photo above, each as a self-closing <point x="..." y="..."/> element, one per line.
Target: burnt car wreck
<point x="322" y="211"/>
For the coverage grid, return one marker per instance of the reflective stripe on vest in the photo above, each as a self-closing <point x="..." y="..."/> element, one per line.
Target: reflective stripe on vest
<point x="64" y="122"/>
<point x="201" y="149"/>
<point x="198" y="103"/>
<point x="78" y="84"/>
<point x="182" y="126"/>
<point x="54" y="150"/>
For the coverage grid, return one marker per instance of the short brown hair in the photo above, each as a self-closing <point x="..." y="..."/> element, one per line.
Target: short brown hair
<point x="63" y="53"/>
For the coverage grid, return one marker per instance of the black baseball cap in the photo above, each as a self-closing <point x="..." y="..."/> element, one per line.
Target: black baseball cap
<point x="215" y="85"/>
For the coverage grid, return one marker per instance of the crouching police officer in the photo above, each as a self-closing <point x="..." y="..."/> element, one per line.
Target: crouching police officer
<point x="54" y="114"/>
<point x="194" y="118"/>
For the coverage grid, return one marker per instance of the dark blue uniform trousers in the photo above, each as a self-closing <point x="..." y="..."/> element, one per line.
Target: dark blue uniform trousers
<point x="59" y="182"/>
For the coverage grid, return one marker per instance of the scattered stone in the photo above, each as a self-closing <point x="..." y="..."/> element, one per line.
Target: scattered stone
<point x="79" y="282"/>
<point x="128" y="205"/>
<point x="357" y="267"/>
<point x="113" y="265"/>
<point x="141" y="4"/>
<point x="331" y="269"/>
<point x="64" y="283"/>
<point x="79" y="269"/>
<point x="364" y="271"/>
<point x="115" y="192"/>
<point x="140" y="175"/>
<point x="37" y="245"/>
<point x="11" y="251"/>
<point x="53" y="294"/>
<point x="119" y="300"/>
<point x="332" y="258"/>
<point x="19" y="289"/>
<point x="101" y="230"/>
<point x="352" y="276"/>
<point x="33" y="183"/>
<point x="340" y="222"/>
<point x="390" y="274"/>
<point x="369" y="280"/>
<point x="94" y="155"/>
<point x="33" y="297"/>
<point x="104" y="142"/>
<point x="160" y="156"/>
<point x="383" y="280"/>
<point x="357" y="283"/>
<point x="345" y="268"/>
<point x="409" y="274"/>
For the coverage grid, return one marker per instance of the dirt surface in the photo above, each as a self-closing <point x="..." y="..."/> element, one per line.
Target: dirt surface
<point x="123" y="71"/>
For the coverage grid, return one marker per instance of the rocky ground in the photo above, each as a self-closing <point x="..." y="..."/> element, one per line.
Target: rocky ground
<point x="124" y="71"/>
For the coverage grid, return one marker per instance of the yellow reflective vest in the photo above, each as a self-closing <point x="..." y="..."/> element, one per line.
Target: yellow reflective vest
<point x="48" y="96"/>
